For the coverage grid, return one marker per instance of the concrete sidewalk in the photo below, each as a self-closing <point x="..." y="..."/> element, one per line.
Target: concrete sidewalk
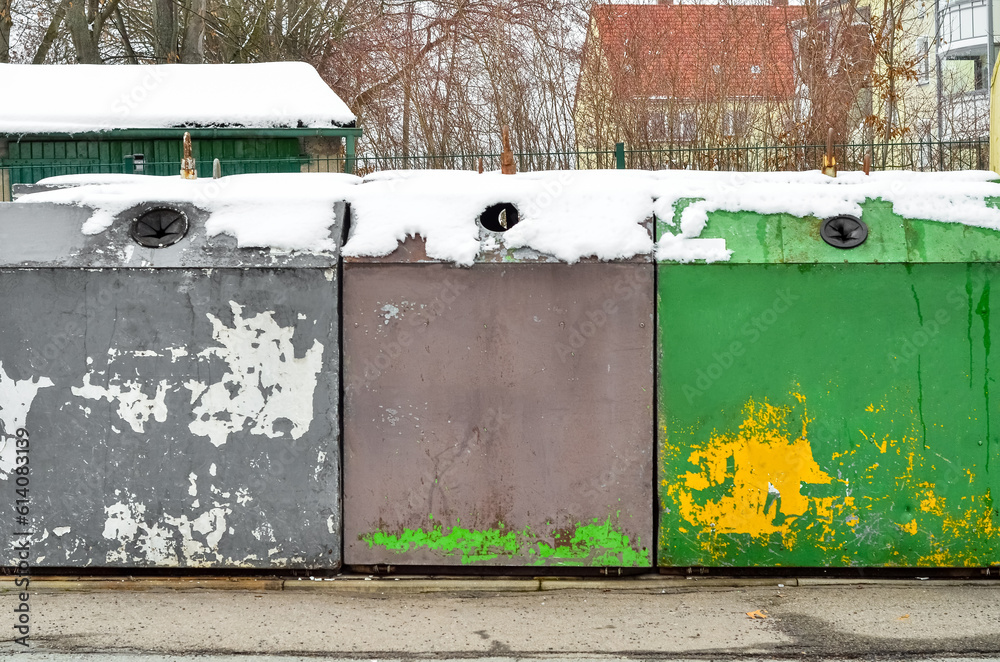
<point x="406" y="618"/>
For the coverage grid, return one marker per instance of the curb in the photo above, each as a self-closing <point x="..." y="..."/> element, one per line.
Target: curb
<point x="418" y="584"/>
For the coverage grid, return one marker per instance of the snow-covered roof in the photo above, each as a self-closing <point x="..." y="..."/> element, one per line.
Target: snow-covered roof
<point x="569" y="215"/>
<point x="85" y="98"/>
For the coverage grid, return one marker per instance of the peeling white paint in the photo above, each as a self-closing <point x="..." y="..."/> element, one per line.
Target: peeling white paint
<point x="391" y="416"/>
<point x="16" y="397"/>
<point x="156" y="543"/>
<point x="122" y="524"/>
<point x="243" y="496"/>
<point x="264" y="532"/>
<point x="176" y="353"/>
<point x="211" y="469"/>
<point x="389" y="311"/>
<point x="265" y="382"/>
<point x="193" y="487"/>
<point x="320" y="462"/>
<point x="134" y="406"/>
<point x="196" y="388"/>
<point x="168" y="541"/>
<point x="211" y="524"/>
<point x="60" y="531"/>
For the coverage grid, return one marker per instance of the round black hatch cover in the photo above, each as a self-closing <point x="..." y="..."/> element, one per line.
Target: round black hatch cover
<point x="844" y="231"/>
<point x="159" y="227"/>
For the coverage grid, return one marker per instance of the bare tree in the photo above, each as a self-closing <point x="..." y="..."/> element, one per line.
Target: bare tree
<point x="6" y="22"/>
<point x="85" y="21"/>
<point x="834" y="61"/>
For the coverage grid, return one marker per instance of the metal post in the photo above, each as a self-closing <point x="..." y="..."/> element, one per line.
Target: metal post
<point x="939" y="75"/>
<point x="620" y="156"/>
<point x="349" y="161"/>
<point x="990" y="46"/>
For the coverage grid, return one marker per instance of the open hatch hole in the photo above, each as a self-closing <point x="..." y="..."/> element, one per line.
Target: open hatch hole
<point x="500" y="217"/>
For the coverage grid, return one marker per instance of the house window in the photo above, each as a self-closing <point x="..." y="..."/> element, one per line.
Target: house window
<point x="655" y="124"/>
<point x="923" y="61"/>
<point x="735" y="122"/>
<point x="685" y="129"/>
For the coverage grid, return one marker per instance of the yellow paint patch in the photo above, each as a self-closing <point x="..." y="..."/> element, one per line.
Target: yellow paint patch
<point x="762" y="469"/>
<point x="910" y="527"/>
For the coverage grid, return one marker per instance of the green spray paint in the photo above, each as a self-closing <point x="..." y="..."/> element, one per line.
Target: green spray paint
<point x="594" y="544"/>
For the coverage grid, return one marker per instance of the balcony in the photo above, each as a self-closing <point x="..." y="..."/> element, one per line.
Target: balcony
<point x="964" y="27"/>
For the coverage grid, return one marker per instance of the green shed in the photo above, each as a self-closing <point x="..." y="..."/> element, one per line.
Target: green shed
<point x="80" y="119"/>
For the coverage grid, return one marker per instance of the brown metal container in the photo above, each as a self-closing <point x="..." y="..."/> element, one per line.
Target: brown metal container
<point x="498" y="415"/>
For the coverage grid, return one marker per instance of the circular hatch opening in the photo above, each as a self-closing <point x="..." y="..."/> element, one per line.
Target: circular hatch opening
<point x="159" y="227"/>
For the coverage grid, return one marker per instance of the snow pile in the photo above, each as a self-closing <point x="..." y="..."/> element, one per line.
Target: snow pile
<point x="570" y="215"/>
<point x="567" y="214"/>
<point x="78" y="98"/>
<point x="281" y="211"/>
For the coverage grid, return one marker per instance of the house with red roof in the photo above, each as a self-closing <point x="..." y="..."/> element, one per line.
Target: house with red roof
<point x="686" y="74"/>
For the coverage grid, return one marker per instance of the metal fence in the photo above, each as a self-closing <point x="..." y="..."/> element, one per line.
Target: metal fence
<point x="924" y="156"/>
<point x="921" y="156"/>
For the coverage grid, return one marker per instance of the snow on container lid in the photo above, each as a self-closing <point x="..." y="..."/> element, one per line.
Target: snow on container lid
<point x="702" y="216"/>
<point x="142" y="221"/>
<point x="779" y="217"/>
<point x="466" y="217"/>
<point x="83" y="98"/>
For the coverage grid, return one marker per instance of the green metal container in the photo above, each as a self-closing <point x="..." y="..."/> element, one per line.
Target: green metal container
<point x="829" y="407"/>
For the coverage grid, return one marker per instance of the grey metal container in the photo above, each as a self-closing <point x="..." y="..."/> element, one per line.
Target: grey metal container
<point x="180" y="403"/>
<point x="500" y="414"/>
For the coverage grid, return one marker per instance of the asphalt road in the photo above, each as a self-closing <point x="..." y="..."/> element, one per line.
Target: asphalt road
<point x="381" y="620"/>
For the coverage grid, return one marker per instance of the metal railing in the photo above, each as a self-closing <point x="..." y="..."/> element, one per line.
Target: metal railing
<point x="921" y="156"/>
<point x="924" y="156"/>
